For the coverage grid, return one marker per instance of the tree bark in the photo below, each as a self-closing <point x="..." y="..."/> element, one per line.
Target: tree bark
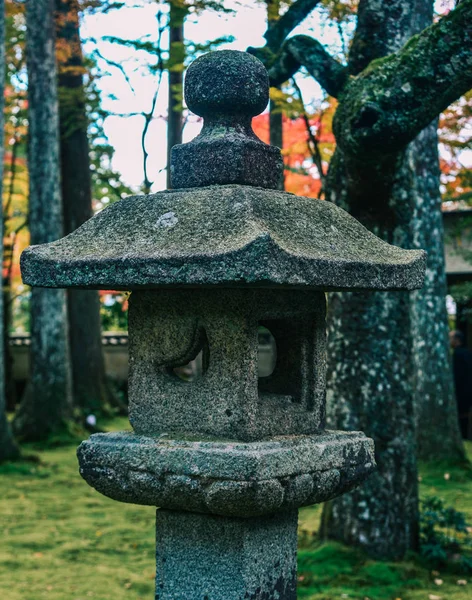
<point x="370" y="386"/>
<point x="85" y="334"/>
<point x="177" y="13"/>
<point x="8" y="447"/>
<point x="302" y="50"/>
<point x="370" y="334"/>
<point x="387" y="97"/>
<point x="293" y="16"/>
<point x="381" y="110"/>
<point x="47" y="401"/>
<point x="438" y="434"/>
<point x="435" y="401"/>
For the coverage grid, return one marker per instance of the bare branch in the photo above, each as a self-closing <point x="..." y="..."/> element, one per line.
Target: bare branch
<point x="147" y="121"/>
<point x="120" y="68"/>
<point x="312" y="142"/>
<point x="303" y="51"/>
<point x="148" y="117"/>
<point x="281" y="28"/>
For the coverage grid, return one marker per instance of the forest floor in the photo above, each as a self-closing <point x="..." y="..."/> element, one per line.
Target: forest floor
<point x="61" y="540"/>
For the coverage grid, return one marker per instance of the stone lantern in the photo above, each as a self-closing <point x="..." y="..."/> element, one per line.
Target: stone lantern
<point x="229" y="457"/>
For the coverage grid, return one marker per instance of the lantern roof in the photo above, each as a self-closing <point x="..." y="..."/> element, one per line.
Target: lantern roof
<point x="226" y="224"/>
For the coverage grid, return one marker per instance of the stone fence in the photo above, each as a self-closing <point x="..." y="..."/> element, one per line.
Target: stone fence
<point x="115" y="350"/>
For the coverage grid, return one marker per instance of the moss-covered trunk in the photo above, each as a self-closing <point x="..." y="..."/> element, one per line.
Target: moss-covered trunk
<point x="370" y="388"/>
<point x="436" y="412"/>
<point x="85" y="336"/>
<point x="47" y="401"/>
<point x="371" y="337"/>
<point x="392" y="358"/>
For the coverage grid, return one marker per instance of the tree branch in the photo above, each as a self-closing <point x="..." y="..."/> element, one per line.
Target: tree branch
<point x="295" y="14"/>
<point x="396" y="97"/>
<point x="303" y="51"/>
<point x="118" y="66"/>
<point x="312" y="142"/>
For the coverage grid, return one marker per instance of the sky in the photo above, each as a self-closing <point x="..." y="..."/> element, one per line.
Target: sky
<point x="247" y="26"/>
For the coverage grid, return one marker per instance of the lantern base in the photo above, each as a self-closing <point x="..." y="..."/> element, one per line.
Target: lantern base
<point x="225" y="558"/>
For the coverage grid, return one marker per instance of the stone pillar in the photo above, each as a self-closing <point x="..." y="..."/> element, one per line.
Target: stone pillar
<point x="207" y="556"/>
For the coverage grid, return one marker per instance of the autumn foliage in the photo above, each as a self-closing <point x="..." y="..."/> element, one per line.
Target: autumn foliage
<point x="301" y="176"/>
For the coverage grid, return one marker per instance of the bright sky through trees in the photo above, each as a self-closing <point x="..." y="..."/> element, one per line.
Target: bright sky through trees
<point x="247" y="25"/>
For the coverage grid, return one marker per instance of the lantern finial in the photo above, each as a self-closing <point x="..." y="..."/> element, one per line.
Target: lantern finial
<point x="227" y="89"/>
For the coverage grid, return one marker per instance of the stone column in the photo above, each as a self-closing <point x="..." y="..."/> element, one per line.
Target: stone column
<point x="211" y="557"/>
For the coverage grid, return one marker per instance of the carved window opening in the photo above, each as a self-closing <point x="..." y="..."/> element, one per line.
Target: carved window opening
<point x="266" y="352"/>
<point x="193" y="369"/>
<point x="293" y="377"/>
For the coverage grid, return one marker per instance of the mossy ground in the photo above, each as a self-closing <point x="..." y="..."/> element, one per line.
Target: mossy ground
<point x="61" y="540"/>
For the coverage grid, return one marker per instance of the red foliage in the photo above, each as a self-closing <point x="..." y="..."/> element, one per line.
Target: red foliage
<point x="301" y="176"/>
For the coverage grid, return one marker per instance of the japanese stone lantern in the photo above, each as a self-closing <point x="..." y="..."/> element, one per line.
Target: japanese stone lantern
<point x="230" y="457"/>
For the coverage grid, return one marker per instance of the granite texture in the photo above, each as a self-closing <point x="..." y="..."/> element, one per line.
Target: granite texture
<point x="226" y="477"/>
<point x="227" y="88"/>
<point x="227" y="82"/>
<point x="203" y="557"/>
<point x="229" y="400"/>
<point x="222" y="235"/>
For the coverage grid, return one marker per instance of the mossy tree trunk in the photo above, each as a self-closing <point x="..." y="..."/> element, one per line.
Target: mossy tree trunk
<point x="85" y="336"/>
<point x="392" y="89"/>
<point x="438" y="434"/>
<point x="47" y="402"/>
<point x="401" y="353"/>
<point x="371" y="336"/>
<point x="8" y="447"/>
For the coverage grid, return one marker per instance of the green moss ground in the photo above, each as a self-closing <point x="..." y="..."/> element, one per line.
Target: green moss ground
<point x="61" y="540"/>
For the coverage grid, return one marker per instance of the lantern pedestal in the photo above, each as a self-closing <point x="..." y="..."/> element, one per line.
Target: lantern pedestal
<point x="225" y="558"/>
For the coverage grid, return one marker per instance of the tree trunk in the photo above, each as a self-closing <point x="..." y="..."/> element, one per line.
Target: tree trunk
<point x="85" y="335"/>
<point x="177" y="13"/>
<point x="370" y="334"/>
<point x="275" y="115"/>
<point x="370" y="389"/>
<point x="377" y="174"/>
<point x="275" y="125"/>
<point x="435" y="401"/>
<point x="8" y="447"/>
<point x="47" y="401"/>
<point x="10" y="384"/>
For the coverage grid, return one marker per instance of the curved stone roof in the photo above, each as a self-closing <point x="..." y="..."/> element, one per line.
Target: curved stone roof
<point x="228" y="235"/>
